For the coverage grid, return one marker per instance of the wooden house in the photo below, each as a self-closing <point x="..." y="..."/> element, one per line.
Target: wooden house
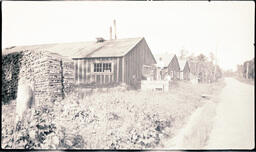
<point x="113" y="61"/>
<point x="103" y="62"/>
<point x="184" y="69"/>
<point x="169" y="64"/>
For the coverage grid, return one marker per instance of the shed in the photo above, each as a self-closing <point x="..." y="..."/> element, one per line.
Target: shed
<point x="113" y="61"/>
<point x="169" y="64"/>
<point x="184" y="69"/>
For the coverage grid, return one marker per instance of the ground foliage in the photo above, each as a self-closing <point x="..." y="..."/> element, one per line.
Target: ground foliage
<point x="105" y="119"/>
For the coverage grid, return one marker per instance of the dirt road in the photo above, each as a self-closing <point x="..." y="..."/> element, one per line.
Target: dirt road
<point x="233" y="127"/>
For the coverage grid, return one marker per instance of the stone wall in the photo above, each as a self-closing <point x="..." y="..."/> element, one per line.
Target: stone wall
<point x="51" y="74"/>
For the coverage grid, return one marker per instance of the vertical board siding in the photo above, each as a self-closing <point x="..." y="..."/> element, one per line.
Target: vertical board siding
<point x="134" y="61"/>
<point x="126" y="71"/>
<point x="122" y="68"/>
<point x="113" y="67"/>
<point x="111" y="79"/>
<point x="89" y="71"/>
<point x="117" y="69"/>
<point x="84" y="72"/>
<point x="84" y="69"/>
<point x="119" y="73"/>
<point x="174" y="66"/>
<point x="106" y="79"/>
<point x="80" y="63"/>
<point x="76" y="69"/>
<point x="101" y="79"/>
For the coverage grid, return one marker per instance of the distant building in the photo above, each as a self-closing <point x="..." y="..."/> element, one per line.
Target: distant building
<point x="184" y="69"/>
<point x="205" y="72"/>
<point x="169" y="64"/>
<point x="249" y="69"/>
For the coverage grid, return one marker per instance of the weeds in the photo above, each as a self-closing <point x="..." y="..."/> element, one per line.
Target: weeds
<point x="109" y="119"/>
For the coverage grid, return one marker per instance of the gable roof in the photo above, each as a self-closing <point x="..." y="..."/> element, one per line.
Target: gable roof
<point x="182" y="63"/>
<point x="92" y="49"/>
<point x="166" y="59"/>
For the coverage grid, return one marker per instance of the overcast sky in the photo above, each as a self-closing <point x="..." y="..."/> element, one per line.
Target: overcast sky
<point x="198" y="27"/>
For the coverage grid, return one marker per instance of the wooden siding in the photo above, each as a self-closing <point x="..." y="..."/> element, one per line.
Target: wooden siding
<point x="123" y="67"/>
<point x="174" y="66"/>
<point x="134" y="60"/>
<point x="84" y="71"/>
<point x="186" y="72"/>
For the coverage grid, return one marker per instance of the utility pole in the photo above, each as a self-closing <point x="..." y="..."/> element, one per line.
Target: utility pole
<point x="115" y="28"/>
<point x="247" y="70"/>
<point x="216" y="62"/>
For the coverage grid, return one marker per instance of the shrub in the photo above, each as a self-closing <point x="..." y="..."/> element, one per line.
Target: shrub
<point x="108" y="119"/>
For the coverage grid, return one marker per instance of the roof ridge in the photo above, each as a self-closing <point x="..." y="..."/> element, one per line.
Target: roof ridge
<point x="89" y="49"/>
<point x="58" y="43"/>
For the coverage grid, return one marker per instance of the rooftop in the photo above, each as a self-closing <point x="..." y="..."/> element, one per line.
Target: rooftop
<point x="182" y="63"/>
<point x="166" y="59"/>
<point x="92" y="49"/>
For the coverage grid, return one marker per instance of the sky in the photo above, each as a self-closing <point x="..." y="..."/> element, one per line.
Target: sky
<point x="225" y="28"/>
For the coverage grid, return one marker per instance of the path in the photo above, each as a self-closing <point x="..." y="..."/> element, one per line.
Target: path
<point x="234" y="122"/>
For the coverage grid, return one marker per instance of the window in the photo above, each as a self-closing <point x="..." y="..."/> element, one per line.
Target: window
<point x="102" y="67"/>
<point x="106" y="67"/>
<point x="97" y="67"/>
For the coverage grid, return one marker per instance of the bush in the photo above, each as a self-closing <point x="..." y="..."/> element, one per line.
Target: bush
<point x="106" y="119"/>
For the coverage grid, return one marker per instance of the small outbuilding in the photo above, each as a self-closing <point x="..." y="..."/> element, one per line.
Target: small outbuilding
<point x="184" y="69"/>
<point x="169" y="64"/>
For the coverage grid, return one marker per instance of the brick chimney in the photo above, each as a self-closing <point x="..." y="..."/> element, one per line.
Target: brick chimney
<point x="115" y="28"/>
<point x="110" y="33"/>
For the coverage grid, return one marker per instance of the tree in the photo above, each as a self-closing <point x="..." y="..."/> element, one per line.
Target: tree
<point x="191" y="57"/>
<point x="201" y="58"/>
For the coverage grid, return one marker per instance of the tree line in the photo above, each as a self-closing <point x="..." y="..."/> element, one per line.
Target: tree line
<point x="202" y="67"/>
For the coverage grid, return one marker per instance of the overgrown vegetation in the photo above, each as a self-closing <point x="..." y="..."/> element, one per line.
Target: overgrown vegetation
<point x="106" y="119"/>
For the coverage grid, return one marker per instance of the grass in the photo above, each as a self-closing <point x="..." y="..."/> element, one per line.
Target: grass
<point x="109" y="118"/>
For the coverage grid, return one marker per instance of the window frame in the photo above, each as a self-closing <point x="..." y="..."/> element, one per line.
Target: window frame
<point x="102" y="67"/>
